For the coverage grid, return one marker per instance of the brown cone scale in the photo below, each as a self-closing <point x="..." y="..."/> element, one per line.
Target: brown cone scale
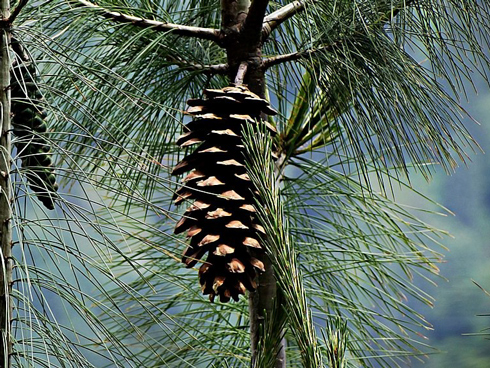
<point x="220" y="220"/>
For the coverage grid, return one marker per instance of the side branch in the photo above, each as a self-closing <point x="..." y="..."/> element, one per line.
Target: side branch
<point x="279" y="59"/>
<point x="17" y="10"/>
<point x="273" y="20"/>
<point x="203" y="68"/>
<point x="221" y="69"/>
<point x="253" y="23"/>
<point x="242" y="70"/>
<point x="197" y="32"/>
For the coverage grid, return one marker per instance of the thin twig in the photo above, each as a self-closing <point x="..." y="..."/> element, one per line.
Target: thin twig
<point x="17" y="10"/>
<point x="189" y="65"/>
<point x="197" y="32"/>
<point x="206" y="69"/>
<point x="240" y="75"/>
<point x="210" y="69"/>
<point x="279" y="59"/>
<point x="273" y="20"/>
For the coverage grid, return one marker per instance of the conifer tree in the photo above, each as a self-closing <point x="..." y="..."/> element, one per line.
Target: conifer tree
<point x="285" y="116"/>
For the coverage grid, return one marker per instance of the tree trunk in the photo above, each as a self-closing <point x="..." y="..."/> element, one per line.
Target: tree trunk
<point x="260" y="304"/>
<point x="242" y="40"/>
<point x="6" y="305"/>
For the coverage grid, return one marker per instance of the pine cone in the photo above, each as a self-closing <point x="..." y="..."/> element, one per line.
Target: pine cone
<point x="28" y="121"/>
<point x="221" y="221"/>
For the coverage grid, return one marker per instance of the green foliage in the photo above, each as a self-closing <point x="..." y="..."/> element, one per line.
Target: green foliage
<point x="100" y="284"/>
<point x="360" y="251"/>
<point x="367" y="58"/>
<point x="278" y="244"/>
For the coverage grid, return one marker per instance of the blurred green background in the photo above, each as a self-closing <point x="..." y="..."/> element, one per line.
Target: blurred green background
<point x="458" y="301"/>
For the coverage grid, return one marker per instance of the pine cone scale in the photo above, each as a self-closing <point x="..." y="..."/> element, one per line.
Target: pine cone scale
<point x="221" y="222"/>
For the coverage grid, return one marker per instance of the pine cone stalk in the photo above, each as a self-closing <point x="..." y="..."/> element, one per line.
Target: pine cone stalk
<point x="221" y="220"/>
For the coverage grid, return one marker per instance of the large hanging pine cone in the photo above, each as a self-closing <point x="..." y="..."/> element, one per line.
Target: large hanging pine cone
<point x="30" y="127"/>
<point x="221" y="219"/>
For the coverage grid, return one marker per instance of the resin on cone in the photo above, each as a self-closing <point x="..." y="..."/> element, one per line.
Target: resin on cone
<point x="220" y="220"/>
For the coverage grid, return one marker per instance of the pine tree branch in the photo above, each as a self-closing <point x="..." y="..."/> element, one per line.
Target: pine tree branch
<point x="275" y="19"/>
<point x="203" y="68"/>
<point x="189" y="31"/>
<point x="279" y="59"/>
<point x="252" y="28"/>
<point x="17" y="10"/>
<point x="233" y="14"/>
<point x="207" y="69"/>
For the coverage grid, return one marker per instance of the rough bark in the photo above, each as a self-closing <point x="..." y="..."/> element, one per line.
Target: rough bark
<point x="5" y="192"/>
